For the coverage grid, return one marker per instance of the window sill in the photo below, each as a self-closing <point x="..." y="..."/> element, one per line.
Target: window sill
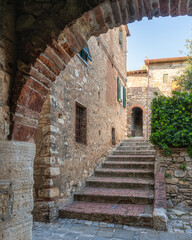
<point x="121" y="104"/>
<point x="81" y="144"/>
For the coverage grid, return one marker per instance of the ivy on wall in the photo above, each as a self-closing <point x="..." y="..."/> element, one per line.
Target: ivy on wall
<point x="171" y="121"/>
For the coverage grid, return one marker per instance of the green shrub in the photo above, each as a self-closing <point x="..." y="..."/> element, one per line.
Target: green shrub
<point x="171" y="121"/>
<point x="183" y="166"/>
<point x="167" y="175"/>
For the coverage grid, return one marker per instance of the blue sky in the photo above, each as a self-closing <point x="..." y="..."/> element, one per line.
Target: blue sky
<point x="161" y="37"/>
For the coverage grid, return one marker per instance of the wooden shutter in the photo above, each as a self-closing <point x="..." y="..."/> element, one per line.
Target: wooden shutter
<point x="120" y="37"/>
<point x="124" y="96"/>
<point x="118" y="89"/>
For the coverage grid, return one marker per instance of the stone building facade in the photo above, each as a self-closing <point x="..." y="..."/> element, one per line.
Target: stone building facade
<point x="137" y="98"/>
<point x="141" y="84"/>
<point x="37" y="41"/>
<point x="62" y="163"/>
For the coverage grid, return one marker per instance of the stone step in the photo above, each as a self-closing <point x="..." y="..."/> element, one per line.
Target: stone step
<point x="118" y="182"/>
<point x="130" y="165"/>
<point x="131" y="157"/>
<point x="136" y="140"/>
<point x="135" y="144"/>
<point x="116" y="172"/>
<point x="122" y="190"/>
<point x="127" y="214"/>
<point x="131" y="152"/>
<point x="115" y="195"/>
<point x="135" y="148"/>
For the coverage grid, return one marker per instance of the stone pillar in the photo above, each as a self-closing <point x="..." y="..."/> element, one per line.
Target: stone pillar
<point x="46" y="168"/>
<point x="16" y="184"/>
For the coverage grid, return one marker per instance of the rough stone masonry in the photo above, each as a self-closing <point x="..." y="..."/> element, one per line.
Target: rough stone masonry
<point x="22" y="67"/>
<point x="62" y="164"/>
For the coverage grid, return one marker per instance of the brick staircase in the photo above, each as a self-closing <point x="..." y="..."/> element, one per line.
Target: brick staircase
<point x="122" y="190"/>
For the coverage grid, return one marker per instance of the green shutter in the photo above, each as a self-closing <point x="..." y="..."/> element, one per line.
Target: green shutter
<point x="120" y="37"/>
<point x="118" y="89"/>
<point x="124" y="97"/>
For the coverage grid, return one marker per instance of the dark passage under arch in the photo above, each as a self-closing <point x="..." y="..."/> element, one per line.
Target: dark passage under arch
<point x="136" y="122"/>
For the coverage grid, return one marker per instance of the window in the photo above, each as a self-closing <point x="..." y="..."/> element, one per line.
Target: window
<point x="85" y="54"/>
<point x="113" y="136"/>
<point x="121" y="37"/>
<point x="81" y="124"/>
<point x="121" y="93"/>
<point x="165" y="78"/>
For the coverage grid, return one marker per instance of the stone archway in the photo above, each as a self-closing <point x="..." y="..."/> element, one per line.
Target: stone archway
<point x="136" y="122"/>
<point x="46" y="55"/>
<point x="130" y="121"/>
<point x="42" y="53"/>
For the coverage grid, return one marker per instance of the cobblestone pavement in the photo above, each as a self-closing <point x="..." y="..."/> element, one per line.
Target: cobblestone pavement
<point x="180" y="220"/>
<point x="179" y="228"/>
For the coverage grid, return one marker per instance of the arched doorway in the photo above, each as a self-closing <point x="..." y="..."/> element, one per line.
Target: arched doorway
<point x="136" y="122"/>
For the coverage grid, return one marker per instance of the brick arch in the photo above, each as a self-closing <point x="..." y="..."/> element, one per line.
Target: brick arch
<point x="129" y="118"/>
<point x="44" y="57"/>
<point x="136" y="106"/>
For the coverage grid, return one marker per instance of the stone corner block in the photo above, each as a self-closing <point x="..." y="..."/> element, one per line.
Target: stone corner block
<point x="160" y="219"/>
<point x="49" y="192"/>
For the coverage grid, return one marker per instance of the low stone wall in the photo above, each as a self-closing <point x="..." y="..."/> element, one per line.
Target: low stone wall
<point x="178" y="175"/>
<point x="160" y="207"/>
<point x="16" y="183"/>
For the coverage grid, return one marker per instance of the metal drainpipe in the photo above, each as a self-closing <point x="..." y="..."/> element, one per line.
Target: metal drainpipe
<point x="148" y="100"/>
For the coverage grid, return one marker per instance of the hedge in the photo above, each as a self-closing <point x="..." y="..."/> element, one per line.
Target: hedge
<point x="171" y="121"/>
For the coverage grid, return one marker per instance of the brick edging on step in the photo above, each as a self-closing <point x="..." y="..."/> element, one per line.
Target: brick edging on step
<point x="160" y="206"/>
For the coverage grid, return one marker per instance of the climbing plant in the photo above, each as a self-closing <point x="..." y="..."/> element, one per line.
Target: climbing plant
<point x="171" y="121"/>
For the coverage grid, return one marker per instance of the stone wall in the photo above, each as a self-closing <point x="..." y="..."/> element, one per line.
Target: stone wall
<point x="7" y="63"/>
<point x="16" y="158"/>
<point x="178" y="175"/>
<point x="139" y="95"/>
<point x="93" y="85"/>
<point x="40" y="24"/>
<point x="16" y="181"/>
<point x="156" y="72"/>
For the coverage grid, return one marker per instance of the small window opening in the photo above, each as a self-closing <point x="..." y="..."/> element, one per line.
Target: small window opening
<point x="99" y="132"/>
<point x="113" y="136"/>
<point x="99" y="95"/>
<point x="81" y="124"/>
<point x="165" y="78"/>
<point x="85" y="54"/>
